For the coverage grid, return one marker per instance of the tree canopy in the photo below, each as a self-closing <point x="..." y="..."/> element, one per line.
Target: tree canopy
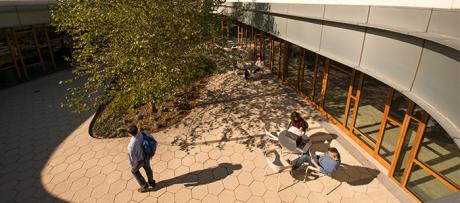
<point x="130" y="52"/>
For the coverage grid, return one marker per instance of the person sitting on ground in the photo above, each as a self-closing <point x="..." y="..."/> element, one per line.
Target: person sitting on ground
<point x="137" y="159"/>
<point x="326" y="164"/>
<point x="297" y="124"/>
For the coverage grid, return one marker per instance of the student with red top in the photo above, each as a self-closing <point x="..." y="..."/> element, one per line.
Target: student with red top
<point x="297" y="124"/>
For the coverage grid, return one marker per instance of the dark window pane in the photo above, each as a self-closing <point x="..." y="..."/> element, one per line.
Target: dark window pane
<point x="337" y="92"/>
<point x="389" y="140"/>
<point x="399" y="105"/>
<point x="308" y="73"/>
<point x="319" y="81"/>
<point x="405" y="150"/>
<point x="440" y="153"/>
<point x="294" y="58"/>
<point x="426" y="186"/>
<point x="266" y="56"/>
<point x="276" y="57"/>
<point x="370" y="110"/>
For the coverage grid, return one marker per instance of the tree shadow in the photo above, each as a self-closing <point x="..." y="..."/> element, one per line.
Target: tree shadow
<point x="200" y="177"/>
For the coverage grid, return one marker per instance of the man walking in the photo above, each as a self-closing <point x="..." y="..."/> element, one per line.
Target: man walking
<point x="138" y="158"/>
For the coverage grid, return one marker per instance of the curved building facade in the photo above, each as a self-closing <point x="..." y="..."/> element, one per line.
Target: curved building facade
<point x="386" y="76"/>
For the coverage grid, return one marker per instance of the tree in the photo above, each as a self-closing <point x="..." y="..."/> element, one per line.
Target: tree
<point x="130" y="52"/>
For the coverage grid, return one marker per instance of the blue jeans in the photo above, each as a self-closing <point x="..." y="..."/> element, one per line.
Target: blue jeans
<point x="140" y="179"/>
<point x="305" y="158"/>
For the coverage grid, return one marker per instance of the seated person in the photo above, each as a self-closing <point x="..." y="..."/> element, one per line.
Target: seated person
<point x="259" y="65"/>
<point x="327" y="163"/>
<point x="297" y="125"/>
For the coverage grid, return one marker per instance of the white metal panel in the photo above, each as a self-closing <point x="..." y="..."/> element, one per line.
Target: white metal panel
<point x="306" y="34"/>
<point x="445" y="22"/>
<point x="393" y="56"/>
<point x="33" y="14"/>
<point x="8" y="16"/>
<point x="279" y="26"/>
<point x="278" y="8"/>
<point x="342" y="42"/>
<point x="354" y="14"/>
<point x="305" y="10"/>
<point x="410" y="19"/>
<point x="438" y="84"/>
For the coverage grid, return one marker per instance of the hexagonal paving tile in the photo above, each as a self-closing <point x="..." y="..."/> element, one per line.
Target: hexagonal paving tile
<point x="215" y="187"/>
<point x="117" y="186"/>
<point x="210" y="198"/>
<point x="255" y="199"/>
<point x="214" y="154"/>
<point x="166" y="197"/>
<point x="230" y="182"/>
<point x="183" y="195"/>
<point x="112" y="177"/>
<point x="227" y="196"/>
<point x="188" y="160"/>
<point x="245" y="178"/>
<point x="199" y="192"/>
<point x="160" y="166"/>
<point x="257" y="188"/>
<point x="124" y="196"/>
<point x="201" y="157"/>
<point x="247" y="165"/>
<point x="173" y="164"/>
<point x="237" y="158"/>
<point x="97" y="180"/>
<point x="242" y="193"/>
<point x="181" y="170"/>
<point x="271" y="197"/>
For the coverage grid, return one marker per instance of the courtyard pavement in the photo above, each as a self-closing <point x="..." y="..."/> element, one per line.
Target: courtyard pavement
<point x="214" y="155"/>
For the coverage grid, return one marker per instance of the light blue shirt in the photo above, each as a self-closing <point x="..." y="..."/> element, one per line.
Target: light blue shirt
<point x="328" y="165"/>
<point x="135" y="152"/>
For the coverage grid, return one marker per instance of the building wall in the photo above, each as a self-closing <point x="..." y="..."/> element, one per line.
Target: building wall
<point x="447" y="4"/>
<point x="414" y="50"/>
<point x="22" y="15"/>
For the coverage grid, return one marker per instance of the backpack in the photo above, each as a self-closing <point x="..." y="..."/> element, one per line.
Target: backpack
<point x="149" y="145"/>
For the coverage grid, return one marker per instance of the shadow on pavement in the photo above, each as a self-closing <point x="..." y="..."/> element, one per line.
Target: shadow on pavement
<point x="200" y="177"/>
<point x="33" y="125"/>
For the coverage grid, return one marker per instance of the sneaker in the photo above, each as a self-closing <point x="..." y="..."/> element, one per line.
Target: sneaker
<point x="152" y="184"/>
<point x="289" y="162"/>
<point x="143" y="189"/>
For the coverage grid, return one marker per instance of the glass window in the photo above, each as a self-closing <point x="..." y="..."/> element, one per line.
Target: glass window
<point x="405" y="149"/>
<point x="399" y="105"/>
<point x="267" y="49"/>
<point x="439" y="152"/>
<point x="370" y="110"/>
<point x="389" y="141"/>
<point x="426" y="186"/>
<point x="308" y="73"/>
<point x="294" y="58"/>
<point x="276" y="57"/>
<point x="337" y="91"/>
<point x="319" y="81"/>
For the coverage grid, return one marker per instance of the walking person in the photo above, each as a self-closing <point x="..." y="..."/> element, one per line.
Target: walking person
<point x="139" y="157"/>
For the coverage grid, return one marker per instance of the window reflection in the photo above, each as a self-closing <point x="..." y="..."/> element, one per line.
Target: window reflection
<point x="426" y="186"/>
<point x="339" y="78"/>
<point x="440" y="153"/>
<point x="294" y="54"/>
<point x="370" y="109"/>
<point x="405" y="149"/>
<point x="308" y="73"/>
<point x="399" y="105"/>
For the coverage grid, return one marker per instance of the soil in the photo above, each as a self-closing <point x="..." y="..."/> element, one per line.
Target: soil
<point x="173" y="112"/>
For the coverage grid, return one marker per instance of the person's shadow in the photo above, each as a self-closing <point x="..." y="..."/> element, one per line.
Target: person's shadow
<point x="200" y="177"/>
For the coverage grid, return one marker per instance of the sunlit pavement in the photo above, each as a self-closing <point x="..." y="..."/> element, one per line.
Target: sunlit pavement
<point x="214" y="155"/>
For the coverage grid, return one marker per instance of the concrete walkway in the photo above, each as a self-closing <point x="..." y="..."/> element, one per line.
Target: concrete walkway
<point x="214" y="155"/>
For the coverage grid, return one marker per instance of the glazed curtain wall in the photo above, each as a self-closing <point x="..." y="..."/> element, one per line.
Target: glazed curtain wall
<point x="419" y="154"/>
<point x="392" y="45"/>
